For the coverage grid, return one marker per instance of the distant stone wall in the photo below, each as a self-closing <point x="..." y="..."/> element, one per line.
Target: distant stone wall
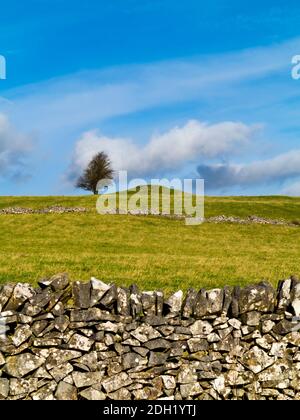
<point x="96" y="341"/>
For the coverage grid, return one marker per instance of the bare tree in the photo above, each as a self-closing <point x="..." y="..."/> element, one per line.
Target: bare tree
<point x="99" y="168"/>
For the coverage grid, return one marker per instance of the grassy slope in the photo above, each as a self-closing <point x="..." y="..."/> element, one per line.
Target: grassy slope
<point x="152" y="252"/>
<point x="271" y="207"/>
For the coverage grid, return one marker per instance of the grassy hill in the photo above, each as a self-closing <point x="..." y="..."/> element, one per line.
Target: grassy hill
<point x="273" y="207"/>
<point x="152" y="252"/>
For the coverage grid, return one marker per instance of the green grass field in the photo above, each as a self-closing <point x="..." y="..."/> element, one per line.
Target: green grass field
<point x="152" y="252"/>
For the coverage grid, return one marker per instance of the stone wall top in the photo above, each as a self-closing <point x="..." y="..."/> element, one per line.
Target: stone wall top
<point x="96" y="297"/>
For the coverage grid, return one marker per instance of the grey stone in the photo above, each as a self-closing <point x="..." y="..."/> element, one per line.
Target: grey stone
<point x="174" y="303"/>
<point x="135" y="301"/>
<point x="31" y="310"/>
<point x="186" y="375"/>
<point x="275" y="374"/>
<point x="178" y="348"/>
<point x="158" y="343"/>
<point x="159" y="303"/>
<point x="295" y="298"/>
<point x="55" y="298"/>
<point x="110" y="298"/>
<point x="141" y="351"/>
<point x="154" y="320"/>
<point x="213" y="338"/>
<point x="38" y="327"/>
<point x="114" y="368"/>
<point x="284" y="295"/>
<point x="190" y="390"/>
<point x="66" y="391"/>
<point x="257" y="298"/>
<point x="131" y="342"/>
<point x="59" y="282"/>
<point x="142" y="394"/>
<point x="201" y="304"/>
<point x="132" y="360"/>
<point x="251" y="318"/>
<point x="47" y="342"/>
<point x="145" y="333"/>
<point x="39" y="300"/>
<point x="61" y="323"/>
<point x="219" y="385"/>
<point x="228" y="291"/>
<point x="157" y="358"/>
<point x="42" y="373"/>
<point x="215" y="300"/>
<point x="21" y="293"/>
<point x="201" y="328"/>
<point x="234" y="308"/>
<point x="92" y="394"/>
<point x="123" y="301"/>
<point x="22" y="386"/>
<point x="5" y="294"/>
<point x="283" y="327"/>
<point x="265" y="342"/>
<point x="267" y="326"/>
<point x="58" y="309"/>
<point x="189" y="303"/>
<point x="24" y="319"/>
<point x="116" y="382"/>
<point x="81" y="294"/>
<point x="120" y="395"/>
<point x="166" y="330"/>
<point x="110" y="327"/>
<point x="22" y="334"/>
<point x="196" y="344"/>
<point x="83" y="380"/>
<point x="98" y="289"/>
<point x="149" y="303"/>
<point x="169" y="381"/>
<point x="226" y="345"/>
<point x="44" y="283"/>
<point x="45" y="393"/>
<point x="2" y="359"/>
<point x="79" y="342"/>
<point x="235" y="323"/>
<point x="278" y="350"/>
<point x="60" y="372"/>
<point x="293" y="338"/>
<point x="58" y="357"/>
<point x="21" y="365"/>
<point x="257" y="360"/>
<point x="92" y="314"/>
<point x="4" y="388"/>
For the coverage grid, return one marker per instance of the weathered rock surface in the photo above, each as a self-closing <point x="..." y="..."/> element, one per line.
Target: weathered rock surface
<point x="117" y="343"/>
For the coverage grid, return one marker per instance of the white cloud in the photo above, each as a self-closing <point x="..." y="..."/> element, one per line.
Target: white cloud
<point x="292" y="190"/>
<point x="166" y="152"/>
<point x="277" y="169"/>
<point x="14" y="148"/>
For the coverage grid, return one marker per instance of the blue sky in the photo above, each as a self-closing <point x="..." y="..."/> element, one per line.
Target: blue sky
<point x="166" y="88"/>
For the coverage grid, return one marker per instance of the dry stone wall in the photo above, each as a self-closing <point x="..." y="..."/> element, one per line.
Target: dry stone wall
<point x="96" y="341"/>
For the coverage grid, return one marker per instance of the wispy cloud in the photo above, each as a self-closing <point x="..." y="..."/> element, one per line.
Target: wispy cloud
<point x="292" y="190"/>
<point x="169" y="151"/>
<point x="93" y="96"/>
<point x="277" y="169"/>
<point x="14" y="149"/>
